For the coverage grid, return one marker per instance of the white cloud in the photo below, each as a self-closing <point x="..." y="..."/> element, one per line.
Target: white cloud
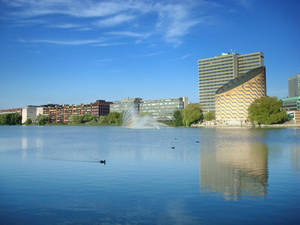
<point x="128" y="34"/>
<point x="170" y="19"/>
<point x="175" y="21"/>
<point x="60" y="42"/>
<point x="65" y="26"/>
<point x="109" y="44"/>
<point x="114" y="20"/>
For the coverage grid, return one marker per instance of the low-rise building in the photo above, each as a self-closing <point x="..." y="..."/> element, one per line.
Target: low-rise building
<point x="8" y="111"/>
<point x="159" y="109"/>
<point x="31" y="112"/>
<point x="62" y="113"/>
<point x="126" y="104"/>
<point x="292" y="106"/>
<point x="163" y="109"/>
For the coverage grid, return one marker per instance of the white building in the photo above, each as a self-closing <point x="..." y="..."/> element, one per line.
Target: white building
<point x="31" y="112"/>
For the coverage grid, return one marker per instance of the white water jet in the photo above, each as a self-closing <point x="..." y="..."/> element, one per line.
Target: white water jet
<point x="131" y="119"/>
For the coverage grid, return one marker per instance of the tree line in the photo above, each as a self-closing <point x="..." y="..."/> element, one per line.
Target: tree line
<point x="10" y="119"/>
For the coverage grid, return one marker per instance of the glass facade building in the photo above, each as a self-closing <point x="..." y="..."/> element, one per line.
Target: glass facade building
<point x="294" y="85"/>
<point x="217" y="71"/>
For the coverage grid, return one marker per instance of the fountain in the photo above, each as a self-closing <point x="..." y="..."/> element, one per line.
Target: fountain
<point x="131" y="119"/>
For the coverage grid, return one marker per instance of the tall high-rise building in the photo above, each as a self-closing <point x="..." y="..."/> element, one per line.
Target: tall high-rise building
<point x="294" y="85"/>
<point x="216" y="71"/>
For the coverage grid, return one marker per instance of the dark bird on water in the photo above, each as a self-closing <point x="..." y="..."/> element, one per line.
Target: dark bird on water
<point x="197" y="141"/>
<point x="173" y="147"/>
<point x="103" y="161"/>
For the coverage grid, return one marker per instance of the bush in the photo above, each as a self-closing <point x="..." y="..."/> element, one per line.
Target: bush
<point x="28" y="121"/>
<point x="42" y="120"/>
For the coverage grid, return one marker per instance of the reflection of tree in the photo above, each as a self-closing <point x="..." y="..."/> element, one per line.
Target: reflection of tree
<point x="234" y="163"/>
<point x="295" y="159"/>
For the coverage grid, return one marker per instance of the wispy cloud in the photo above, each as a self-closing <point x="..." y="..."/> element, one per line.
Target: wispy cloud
<point x="153" y="54"/>
<point x="171" y="20"/>
<point x="184" y="56"/>
<point x="175" y="21"/>
<point x="115" y="20"/>
<point x="65" y="26"/>
<point x="109" y="44"/>
<point x="63" y="42"/>
<point x="128" y="34"/>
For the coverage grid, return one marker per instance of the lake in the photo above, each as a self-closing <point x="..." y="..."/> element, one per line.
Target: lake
<point x="52" y="175"/>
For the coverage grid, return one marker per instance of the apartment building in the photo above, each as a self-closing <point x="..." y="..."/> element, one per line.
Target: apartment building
<point x="62" y="113"/>
<point x="216" y="71"/>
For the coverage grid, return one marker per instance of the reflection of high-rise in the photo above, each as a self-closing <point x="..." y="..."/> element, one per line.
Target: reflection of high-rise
<point x="234" y="163"/>
<point x="295" y="159"/>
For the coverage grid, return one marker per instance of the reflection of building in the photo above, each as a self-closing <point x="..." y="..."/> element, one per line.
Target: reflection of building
<point x="233" y="164"/>
<point x="160" y="109"/>
<point x="234" y="98"/>
<point x="295" y="159"/>
<point x="294" y="85"/>
<point x="217" y="71"/>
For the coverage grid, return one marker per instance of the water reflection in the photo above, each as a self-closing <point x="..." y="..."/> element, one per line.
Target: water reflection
<point x="234" y="164"/>
<point x="295" y="159"/>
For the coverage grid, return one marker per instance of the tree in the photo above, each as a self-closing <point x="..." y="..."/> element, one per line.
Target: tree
<point x="10" y="119"/>
<point x="42" y="120"/>
<point x="113" y="118"/>
<point x="28" y="121"/>
<point x="266" y="110"/>
<point x="177" y="118"/>
<point x="209" y="116"/>
<point x="192" y="113"/>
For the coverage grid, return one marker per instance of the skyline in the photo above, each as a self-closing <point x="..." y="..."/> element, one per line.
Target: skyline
<point x="72" y="52"/>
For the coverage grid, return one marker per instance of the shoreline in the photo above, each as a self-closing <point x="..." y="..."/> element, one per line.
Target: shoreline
<point x="296" y="125"/>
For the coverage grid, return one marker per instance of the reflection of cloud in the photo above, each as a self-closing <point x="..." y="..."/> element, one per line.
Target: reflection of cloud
<point x="177" y="213"/>
<point x="234" y="165"/>
<point x="295" y="159"/>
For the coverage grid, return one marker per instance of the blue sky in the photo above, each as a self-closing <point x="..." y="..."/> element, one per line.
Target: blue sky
<point x="77" y="51"/>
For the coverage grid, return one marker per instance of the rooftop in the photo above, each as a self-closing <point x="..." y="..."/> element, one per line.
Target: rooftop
<point x="240" y="80"/>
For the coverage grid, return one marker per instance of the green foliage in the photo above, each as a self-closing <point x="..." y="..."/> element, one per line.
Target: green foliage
<point x="177" y="118"/>
<point x="113" y="118"/>
<point x="191" y="114"/>
<point x="209" y="116"/>
<point x="10" y="119"/>
<point x="83" y="119"/>
<point x="28" y="121"/>
<point x="42" y="120"/>
<point x="266" y="110"/>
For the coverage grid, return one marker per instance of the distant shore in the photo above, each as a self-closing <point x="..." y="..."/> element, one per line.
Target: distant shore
<point x="293" y="125"/>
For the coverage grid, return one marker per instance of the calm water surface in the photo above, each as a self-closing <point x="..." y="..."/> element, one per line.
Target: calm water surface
<point x="52" y="175"/>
